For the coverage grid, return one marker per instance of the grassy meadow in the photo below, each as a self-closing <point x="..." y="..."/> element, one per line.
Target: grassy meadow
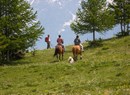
<point x="104" y="70"/>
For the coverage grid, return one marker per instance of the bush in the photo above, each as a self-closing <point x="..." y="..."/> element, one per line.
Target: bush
<point x="95" y="43"/>
<point x="122" y="34"/>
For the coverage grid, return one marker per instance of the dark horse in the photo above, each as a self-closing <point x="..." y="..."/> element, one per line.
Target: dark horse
<point x="59" y="52"/>
<point x="76" y="51"/>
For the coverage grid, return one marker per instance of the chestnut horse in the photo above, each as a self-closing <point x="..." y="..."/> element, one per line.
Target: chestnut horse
<point x="76" y="49"/>
<point x="59" y="52"/>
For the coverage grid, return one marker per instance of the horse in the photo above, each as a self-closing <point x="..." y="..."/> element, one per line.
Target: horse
<point x="76" y="49"/>
<point x="59" y="52"/>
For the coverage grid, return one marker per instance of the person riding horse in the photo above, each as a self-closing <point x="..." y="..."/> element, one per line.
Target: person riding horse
<point x="77" y="48"/>
<point x="78" y="42"/>
<point x="59" y="44"/>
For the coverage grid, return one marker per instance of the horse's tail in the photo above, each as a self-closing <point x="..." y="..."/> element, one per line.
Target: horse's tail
<point x="55" y="52"/>
<point x="74" y="51"/>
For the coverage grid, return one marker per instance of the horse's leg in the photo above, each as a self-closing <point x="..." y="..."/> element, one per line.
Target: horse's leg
<point x="74" y="55"/>
<point x="59" y="56"/>
<point x="62" y="56"/>
<point x="81" y="55"/>
<point x="62" y="53"/>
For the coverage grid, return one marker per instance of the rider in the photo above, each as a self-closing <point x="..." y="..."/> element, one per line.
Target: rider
<point x="78" y="42"/>
<point x="60" y="41"/>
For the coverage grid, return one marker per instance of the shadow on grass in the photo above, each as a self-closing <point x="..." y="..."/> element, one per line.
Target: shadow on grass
<point x="54" y="61"/>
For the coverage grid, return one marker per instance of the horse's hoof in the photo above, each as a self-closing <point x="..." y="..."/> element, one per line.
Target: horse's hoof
<point x="80" y="58"/>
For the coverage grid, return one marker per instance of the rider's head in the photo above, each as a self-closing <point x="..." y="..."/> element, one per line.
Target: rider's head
<point x="77" y="36"/>
<point x="59" y="36"/>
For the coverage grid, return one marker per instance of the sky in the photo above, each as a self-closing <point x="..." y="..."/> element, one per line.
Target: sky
<point x="55" y="16"/>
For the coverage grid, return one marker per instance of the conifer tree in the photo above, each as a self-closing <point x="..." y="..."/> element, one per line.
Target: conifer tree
<point x="92" y="17"/>
<point x="121" y="9"/>
<point x="18" y="24"/>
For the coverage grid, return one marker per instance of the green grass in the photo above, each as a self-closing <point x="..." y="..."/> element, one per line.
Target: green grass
<point x="104" y="70"/>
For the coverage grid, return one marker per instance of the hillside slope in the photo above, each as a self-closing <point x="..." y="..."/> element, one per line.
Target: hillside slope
<point x="103" y="70"/>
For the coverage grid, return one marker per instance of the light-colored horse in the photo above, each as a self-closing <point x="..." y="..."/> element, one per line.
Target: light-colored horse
<point x="76" y="49"/>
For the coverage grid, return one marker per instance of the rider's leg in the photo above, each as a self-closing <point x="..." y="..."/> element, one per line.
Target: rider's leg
<point x="63" y="47"/>
<point x="81" y="46"/>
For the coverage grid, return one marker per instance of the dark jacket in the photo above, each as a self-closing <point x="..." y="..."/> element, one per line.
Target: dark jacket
<point x="77" y="41"/>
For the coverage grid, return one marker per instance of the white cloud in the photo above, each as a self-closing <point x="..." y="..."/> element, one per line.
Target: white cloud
<point x="108" y="1"/>
<point x="58" y="2"/>
<point x="79" y="2"/>
<point x="33" y="1"/>
<point x="67" y="23"/>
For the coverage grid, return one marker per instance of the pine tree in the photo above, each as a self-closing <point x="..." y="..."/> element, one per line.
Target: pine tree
<point x="3" y="45"/>
<point x="93" y="16"/>
<point x="121" y="9"/>
<point x="19" y="26"/>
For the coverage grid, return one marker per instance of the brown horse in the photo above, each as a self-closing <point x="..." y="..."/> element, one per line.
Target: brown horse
<point x="76" y="51"/>
<point x="59" y="52"/>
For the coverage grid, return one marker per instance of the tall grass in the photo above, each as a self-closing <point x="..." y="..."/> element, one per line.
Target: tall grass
<point x="103" y="70"/>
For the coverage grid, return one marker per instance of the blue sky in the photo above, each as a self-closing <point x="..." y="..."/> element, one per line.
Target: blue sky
<point x="55" y="16"/>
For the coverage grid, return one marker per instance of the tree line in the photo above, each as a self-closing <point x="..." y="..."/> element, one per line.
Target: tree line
<point x="19" y="28"/>
<point x="100" y="16"/>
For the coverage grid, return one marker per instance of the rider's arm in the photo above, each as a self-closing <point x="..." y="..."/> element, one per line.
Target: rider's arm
<point x="62" y="41"/>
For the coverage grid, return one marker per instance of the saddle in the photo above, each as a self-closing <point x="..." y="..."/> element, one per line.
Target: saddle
<point x="61" y="46"/>
<point x="79" y="46"/>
